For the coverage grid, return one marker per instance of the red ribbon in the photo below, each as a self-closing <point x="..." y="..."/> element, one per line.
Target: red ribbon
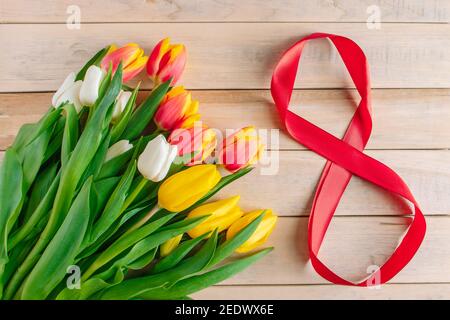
<point x="345" y="158"/>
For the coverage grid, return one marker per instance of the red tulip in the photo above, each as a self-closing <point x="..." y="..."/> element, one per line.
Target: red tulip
<point x="166" y="62"/>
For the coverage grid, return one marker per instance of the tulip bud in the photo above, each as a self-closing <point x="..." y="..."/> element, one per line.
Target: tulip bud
<point x="170" y="245"/>
<point x="240" y="149"/>
<point x="261" y="233"/>
<point x="91" y="85"/>
<point x="166" y="62"/>
<point x="69" y="91"/>
<point x="68" y="82"/>
<point x="177" y="110"/>
<point x="186" y="187"/>
<point x="131" y="56"/>
<point x="121" y="103"/>
<point x="222" y="214"/>
<point x="154" y="162"/>
<point x="117" y="149"/>
<point x="195" y="144"/>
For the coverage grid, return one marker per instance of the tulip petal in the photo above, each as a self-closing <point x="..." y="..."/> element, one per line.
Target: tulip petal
<point x="67" y="83"/>
<point x="172" y="64"/>
<point x="152" y="159"/>
<point x="117" y="149"/>
<point x="155" y="57"/>
<point x="91" y="84"/>
<point x="121" y="103"/>
<point x="134" y="68"/>
<point x="72" y="95"/>
<point x="173" y="150"/>
<point x="183" y="189"/>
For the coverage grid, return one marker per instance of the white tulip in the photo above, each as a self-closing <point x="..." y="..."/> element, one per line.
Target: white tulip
<point x="71" y="95"/>
<point x="117" y="149"/>
<point x="68" y="82"/>
<point x="121" y="103"/>
<point x="91" y="85"/>
<point x="154" y="162"/>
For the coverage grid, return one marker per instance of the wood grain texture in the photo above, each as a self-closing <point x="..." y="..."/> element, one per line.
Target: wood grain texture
<point x="427" y="172"/>
<point x="351" y="245"/>
<point x="426" y="291"/>
<point x="232" y="55"/>
<point x="290" y="191"/>
<point x="230" y="10"/>
<point x="397" y="114"/>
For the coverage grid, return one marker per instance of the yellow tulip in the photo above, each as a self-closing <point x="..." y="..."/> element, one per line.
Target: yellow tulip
<point x="186" y="187"/>
<point x="222" y="214"/>
<point x="170" y="245"/>
<point x="261" y="233"/>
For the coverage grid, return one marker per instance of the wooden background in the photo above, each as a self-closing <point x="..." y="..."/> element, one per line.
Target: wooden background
<point x="233" y="46"/>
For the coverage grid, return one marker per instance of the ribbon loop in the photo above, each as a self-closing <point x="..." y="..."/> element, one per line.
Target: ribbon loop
<point x="345" y="158"/>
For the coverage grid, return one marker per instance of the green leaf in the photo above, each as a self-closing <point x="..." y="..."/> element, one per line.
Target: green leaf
<point x="96" y="164"/>
<point x="229" y="246"/>
<point x="134" y="287"/>
<point x="39" y="189"/>
<point x="29" y="132"/>
<point x="143" y="261"/>
<point x="198" y="282"/>
<point x="130" y="239"/>
<point x="178" y="254"/>
<point x="70" y="136"/>
<point x="60" y="252"/>
<point x="144" y="113"/>
<point x="89" y="251"/>
<point x="103" y="189"/>
<point x="32" y="226"/>
<point x="11" y="180"/>
<point x="114" y="166"/>
<point x="95" y="60"/>
<point x="125" y="117"/>
<point x="56" y="140"/>
<point x="16" y="256"/>
<point x="87" y="289"/>
<point x="33" y="157"/>
<point x="113" y="208"/>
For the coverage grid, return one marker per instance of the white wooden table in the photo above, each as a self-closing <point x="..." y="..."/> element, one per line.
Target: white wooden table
<point x="233" y="46"/>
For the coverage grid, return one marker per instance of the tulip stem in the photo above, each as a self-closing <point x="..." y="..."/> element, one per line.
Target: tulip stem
<point x="135" y="193"/>
<point x="141" y="222"/>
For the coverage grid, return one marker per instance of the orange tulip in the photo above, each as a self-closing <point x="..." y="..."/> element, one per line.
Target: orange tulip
<point x="166" y="61"/>
<point x="131" y="56"/>
<point x="177" y="110"/>
<point x="240" y="149"/>
<point x="195" y="143"/>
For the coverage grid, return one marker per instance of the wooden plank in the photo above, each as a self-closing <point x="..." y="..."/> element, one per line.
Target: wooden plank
<point x="397" y="114"/>
<point x="426" y="172"/>
<point x="231" y="10"/>
<point x="232" y="55"/>
<point x="289" y="191"/>
<point x="350" y="247"/>
<point x="424" y="291"/>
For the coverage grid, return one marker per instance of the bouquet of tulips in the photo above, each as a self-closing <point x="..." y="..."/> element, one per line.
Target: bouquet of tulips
<point x="97" y="202"/>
